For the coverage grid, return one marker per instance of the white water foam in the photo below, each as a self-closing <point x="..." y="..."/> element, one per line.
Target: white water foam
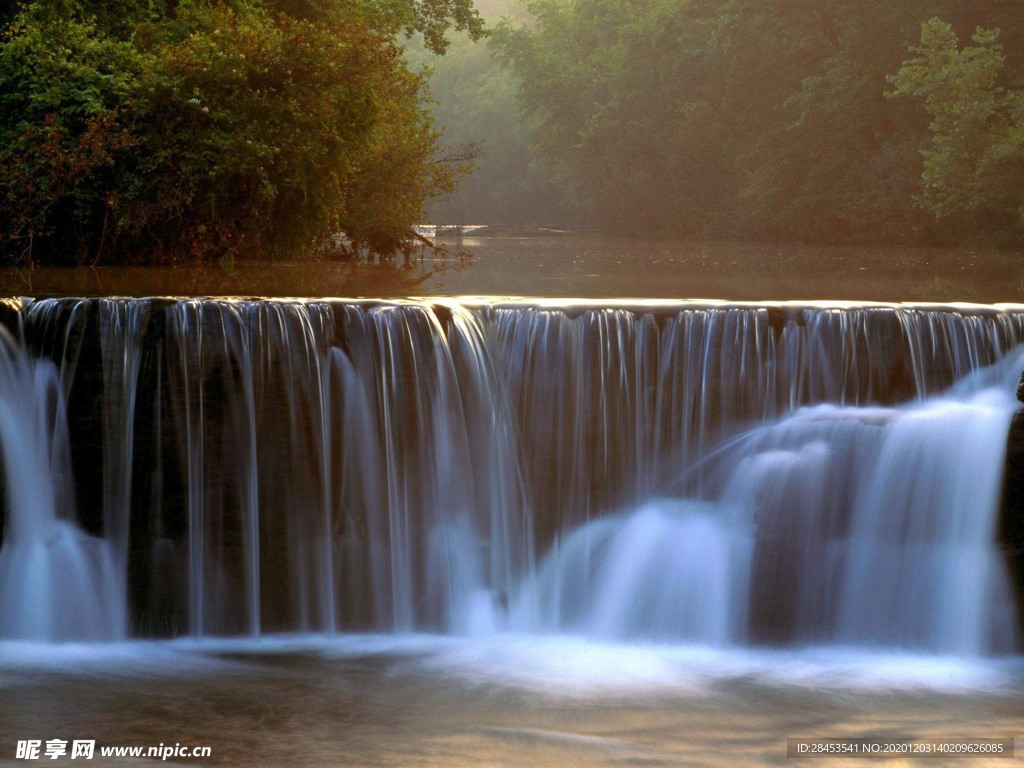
<point x="56" y="583"/>
<point x="551" y="666"/>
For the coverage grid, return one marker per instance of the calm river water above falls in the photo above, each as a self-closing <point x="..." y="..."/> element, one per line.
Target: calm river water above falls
<point x="583" y="267"/>
<point x="597" y="268"/>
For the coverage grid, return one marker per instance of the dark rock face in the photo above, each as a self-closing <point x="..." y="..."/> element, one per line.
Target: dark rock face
<point x="1011" y="529"/>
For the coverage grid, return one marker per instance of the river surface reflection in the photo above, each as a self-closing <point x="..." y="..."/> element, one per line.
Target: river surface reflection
<point x="583" y="267"/>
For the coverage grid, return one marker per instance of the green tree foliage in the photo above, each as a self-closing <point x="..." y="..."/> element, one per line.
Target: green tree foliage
<point x="139" y="130"/>
<point x="433" y="19"/>
<point x="62" y="86"/>
<point x="621" y="128"/>
<point x="737" y="118"/>
<point x="822" y="155"/>
<point x="975" y="161"/>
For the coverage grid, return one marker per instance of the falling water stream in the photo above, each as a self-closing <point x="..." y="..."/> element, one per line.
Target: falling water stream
<point x="56" y="583"/>
<point x="712" y="474"/>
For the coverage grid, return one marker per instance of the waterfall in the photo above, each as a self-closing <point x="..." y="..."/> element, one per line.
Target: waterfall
<point x="672" y="570"/>
<point x="881" y="521"/>
<point x="702" y="473"/>
<point x="56" y="582"/>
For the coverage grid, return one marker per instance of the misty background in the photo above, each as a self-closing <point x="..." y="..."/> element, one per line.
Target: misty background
<point x="823" y="121"/>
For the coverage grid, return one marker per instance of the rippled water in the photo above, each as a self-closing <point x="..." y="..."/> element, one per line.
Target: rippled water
<point x="510" y="701"/>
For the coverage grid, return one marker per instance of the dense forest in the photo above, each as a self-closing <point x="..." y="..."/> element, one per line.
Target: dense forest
<point x="174" y="130"/>
<point x="812" y="120"/>
<point x="164" y="130"/>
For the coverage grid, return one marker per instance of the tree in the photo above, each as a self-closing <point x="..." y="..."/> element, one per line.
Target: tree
<point x="624" y="110"/>
<point x="740" y="118"/>
<point x="976" y="158"/>
<point x="62" y="87"/>
<point x="258" y="131"/>
<point x="824" y="156"/>
<point x="174" y="130"/>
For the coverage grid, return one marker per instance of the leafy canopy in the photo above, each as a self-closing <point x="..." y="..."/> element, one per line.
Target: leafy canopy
<point x="153" y="129"/>
<point x="769" y="118"/>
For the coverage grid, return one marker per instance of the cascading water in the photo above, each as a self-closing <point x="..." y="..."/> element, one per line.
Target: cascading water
<point x="672" y="473"/>
<point x="673" y="570"/>
<point x="56" y="583"/>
